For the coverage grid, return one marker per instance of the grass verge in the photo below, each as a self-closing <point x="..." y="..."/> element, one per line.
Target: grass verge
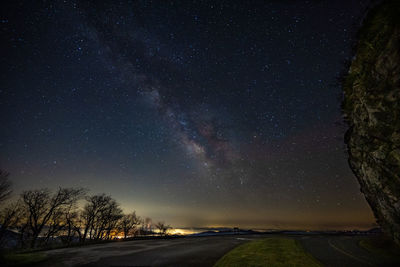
<point x="382" y="247"/>
<point x="22" y="259"/>
<point x="268" y="252"/>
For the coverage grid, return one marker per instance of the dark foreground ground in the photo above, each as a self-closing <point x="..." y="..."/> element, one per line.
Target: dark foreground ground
<point x="205" y="251"/>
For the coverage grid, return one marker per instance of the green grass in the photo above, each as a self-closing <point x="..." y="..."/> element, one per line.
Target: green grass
<point x="382" y="247"/>
<point x="22" y="259"/>
<point x="268" y="252"/>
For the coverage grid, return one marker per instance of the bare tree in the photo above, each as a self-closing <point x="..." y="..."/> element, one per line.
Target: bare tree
<point x="112" y="218"/>
<point x="91" y="216"/>
<point x="162" y="228"/>
<point x="10" y="216"/>
<point x="77" y="222"/>
<point x="129" y="223"/>
<point x="72" y="225"/>
<point x="42" y="212"/>
<point x="107" y="220"/>
<point x="5" y="186"/>
<point x="56" y="224"/>
<point x="42" y="207"/>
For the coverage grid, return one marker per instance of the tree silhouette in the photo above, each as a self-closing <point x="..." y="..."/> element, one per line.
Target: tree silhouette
<point x="99" y="216"/>
<point x="162" y="228"/>
<point x="129" y="223"/>
<point x="44" y="208"/>
<point x="10" y="216"/>
<point x="51" y="215"/>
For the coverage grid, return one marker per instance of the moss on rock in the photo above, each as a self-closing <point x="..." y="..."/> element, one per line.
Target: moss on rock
<point x="371" y="107"/>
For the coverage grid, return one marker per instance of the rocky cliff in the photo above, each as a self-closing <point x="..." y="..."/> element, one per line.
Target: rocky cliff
<point x="372" y="109"/>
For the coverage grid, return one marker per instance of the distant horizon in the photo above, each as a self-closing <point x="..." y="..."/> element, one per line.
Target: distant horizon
<point x="365" y="223"/>
<point x="197" y="230"/>
<point x="355" y="227"/>
<point x="289" y="228"/>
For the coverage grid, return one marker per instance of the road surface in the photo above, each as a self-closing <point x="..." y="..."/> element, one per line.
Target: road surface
<point x="205" y="251"/>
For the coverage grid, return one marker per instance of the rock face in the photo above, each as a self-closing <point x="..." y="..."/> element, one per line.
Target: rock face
<point x="372" y="109"/>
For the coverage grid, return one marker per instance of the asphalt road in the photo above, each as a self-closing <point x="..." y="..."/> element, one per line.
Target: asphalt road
<point x="341" y="251"/>
<point x="205" y="251"/>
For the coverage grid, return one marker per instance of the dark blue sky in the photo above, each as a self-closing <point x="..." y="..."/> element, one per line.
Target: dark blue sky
<point x="196" y="113"/>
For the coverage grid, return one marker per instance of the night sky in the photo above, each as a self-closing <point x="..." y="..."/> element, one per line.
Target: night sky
<point x="200" y="114"/>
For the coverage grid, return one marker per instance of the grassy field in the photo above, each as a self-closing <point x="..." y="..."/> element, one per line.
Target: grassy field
<point x="268" y="252"/>
<point x="21" y="259"/>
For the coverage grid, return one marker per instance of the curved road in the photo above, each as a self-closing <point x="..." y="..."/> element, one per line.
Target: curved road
<point x="341" y="251"/>
<point x="205" y="251"/>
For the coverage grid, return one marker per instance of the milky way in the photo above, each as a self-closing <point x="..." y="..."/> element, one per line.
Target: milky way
<point x="194" y="125"/>
<point x="199" y="114"/>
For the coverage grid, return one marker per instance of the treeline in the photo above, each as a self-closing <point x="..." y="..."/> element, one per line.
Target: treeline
<point x="69" y="215"/>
